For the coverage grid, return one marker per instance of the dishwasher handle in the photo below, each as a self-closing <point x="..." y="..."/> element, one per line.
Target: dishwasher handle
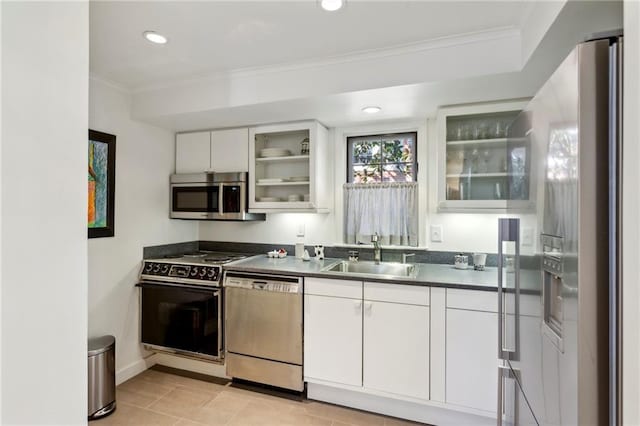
<point x="262" y="285"/>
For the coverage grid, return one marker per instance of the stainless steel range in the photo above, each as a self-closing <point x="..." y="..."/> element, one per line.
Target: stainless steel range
<point x="181" y="304"/>
<point x="200" y="268"/>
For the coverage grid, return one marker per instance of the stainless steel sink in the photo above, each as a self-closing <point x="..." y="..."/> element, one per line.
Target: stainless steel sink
<point x="374" y="269"/>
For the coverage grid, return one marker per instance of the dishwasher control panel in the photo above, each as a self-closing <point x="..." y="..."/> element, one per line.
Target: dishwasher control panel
<point x="264" y="283"/>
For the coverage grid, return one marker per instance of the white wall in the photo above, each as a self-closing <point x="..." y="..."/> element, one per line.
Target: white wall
<point x="45" y="60"/>
<point x="630" y="213"/>
<point x="145" y="158"/>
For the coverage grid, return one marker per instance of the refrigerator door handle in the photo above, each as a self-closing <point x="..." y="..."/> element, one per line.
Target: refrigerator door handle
<point x="504" y="372"/>
<point x="508" y="231"/>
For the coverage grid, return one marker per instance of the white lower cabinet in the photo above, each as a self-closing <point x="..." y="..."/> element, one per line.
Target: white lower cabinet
<point x="425" y="354"/>
<point x="396" y="348"/>
<point x="333" y="339"/>
<point x="383" y="347"/>
<point x="472" y="359"/>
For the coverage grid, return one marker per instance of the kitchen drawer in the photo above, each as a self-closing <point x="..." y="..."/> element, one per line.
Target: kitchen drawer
<point x="335" y="288"/>
<point x="486" y="301"/>
<point x="397" y="293"/>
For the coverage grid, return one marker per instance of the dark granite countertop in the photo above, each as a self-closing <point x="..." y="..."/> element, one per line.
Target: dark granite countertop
<point x="435" y="275"/>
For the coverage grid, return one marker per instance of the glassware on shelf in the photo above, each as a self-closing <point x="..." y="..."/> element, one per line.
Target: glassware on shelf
<point x="498" y="130"/>
<point x="498" y="191"/>
<point x="475" y="157"/>
<point x="452" y="131"/>
<point x="483" y="129"/>
<point x="484" y="165"/>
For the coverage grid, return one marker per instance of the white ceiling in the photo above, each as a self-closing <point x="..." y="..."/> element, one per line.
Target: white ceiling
<point x="242" y="63"/>
<point x="216" y="37"/>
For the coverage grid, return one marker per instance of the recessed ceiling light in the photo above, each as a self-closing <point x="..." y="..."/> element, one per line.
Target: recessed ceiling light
<point x="371" y="109"/>
<point x="154" y="37"/>
<point x="331" y="5"/>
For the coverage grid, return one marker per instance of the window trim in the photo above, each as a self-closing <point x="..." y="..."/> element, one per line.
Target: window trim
<point x="339" y="135"/>
<point x="349" y="138"/>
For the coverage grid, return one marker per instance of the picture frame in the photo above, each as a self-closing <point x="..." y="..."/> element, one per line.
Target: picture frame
<point x="101" y="184"/>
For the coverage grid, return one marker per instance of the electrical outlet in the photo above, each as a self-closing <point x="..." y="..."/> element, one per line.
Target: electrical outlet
<point x="527" y="236"/>
<point x="436" y="233"/>
<point x="300" y="232"/>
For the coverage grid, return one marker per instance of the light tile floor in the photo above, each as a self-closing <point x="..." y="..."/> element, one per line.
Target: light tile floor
<point x="159" y="398"/>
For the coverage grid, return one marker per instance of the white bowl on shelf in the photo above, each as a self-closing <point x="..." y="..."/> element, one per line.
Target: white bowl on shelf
<point x="294" y="198"/>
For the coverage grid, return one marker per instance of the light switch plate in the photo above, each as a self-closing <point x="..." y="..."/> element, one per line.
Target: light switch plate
<point x="300" y="232"/>
<point x="527" y="236"/>
<point x="436" y="233"/>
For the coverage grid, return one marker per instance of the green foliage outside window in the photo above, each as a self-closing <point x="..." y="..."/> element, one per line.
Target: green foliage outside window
<point x="386" y="158"/>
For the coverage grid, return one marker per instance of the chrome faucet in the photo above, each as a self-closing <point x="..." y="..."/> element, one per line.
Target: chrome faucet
<point x="406" y="256"/>
<point x="377" y="255"/>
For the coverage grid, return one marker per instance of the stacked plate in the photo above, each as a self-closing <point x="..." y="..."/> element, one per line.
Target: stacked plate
<point x="299" y="179"/>
<point x="269" y="199"/>
<point x="270" y="180"/>
<point x="274" y="152"/>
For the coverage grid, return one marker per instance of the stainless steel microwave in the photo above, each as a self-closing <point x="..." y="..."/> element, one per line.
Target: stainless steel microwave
<point x="211" y="196"/>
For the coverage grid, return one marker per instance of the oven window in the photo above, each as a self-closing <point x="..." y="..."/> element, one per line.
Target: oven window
<point x="181" y="318"/>
<point x="195" y="198"/>
<point x="231" y="197"/>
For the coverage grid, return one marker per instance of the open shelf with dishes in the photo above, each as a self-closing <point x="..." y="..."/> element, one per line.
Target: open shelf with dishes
<point x="285" y="168"/>
<point x="287" y="158"/>
<point x="482" y="164"/>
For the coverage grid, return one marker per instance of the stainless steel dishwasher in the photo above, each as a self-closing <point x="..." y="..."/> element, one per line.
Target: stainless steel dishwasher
<point x="263" y="329"/>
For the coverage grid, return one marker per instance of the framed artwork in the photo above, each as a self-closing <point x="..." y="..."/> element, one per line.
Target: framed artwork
<point x="102" y="184"/>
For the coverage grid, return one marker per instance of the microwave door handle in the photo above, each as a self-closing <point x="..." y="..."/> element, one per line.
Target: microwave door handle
<point x="220" y="198"/>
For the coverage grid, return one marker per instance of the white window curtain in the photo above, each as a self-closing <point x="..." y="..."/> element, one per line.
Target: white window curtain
<point x="390" y="209"/>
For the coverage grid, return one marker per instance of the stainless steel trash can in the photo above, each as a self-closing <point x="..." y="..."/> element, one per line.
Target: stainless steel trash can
<point x="102" y="376"/>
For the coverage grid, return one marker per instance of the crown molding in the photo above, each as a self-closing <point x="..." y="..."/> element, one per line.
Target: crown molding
<point x="110" y="83"/>
<point x="366" y="55"/>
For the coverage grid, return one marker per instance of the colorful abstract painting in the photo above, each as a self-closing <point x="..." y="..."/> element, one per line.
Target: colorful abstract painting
<point x="98" y="185"/>
<point x="101" y="181"/>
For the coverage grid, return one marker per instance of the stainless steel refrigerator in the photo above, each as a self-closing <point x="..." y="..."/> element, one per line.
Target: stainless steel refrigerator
<point x="558" y="300"/>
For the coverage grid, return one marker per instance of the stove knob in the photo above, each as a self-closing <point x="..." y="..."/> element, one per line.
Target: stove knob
<point x="194" y="271"/>
<point x="156" y="268"/>
<point x="211" y="273"/>
<point x="165" y="268"/>
<point x="148" y="267"/>
<point x="203" y="272"/>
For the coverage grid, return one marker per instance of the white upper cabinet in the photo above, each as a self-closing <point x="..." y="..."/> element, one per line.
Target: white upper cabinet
<point x="289" y="168"/>
<point x="482" y="164"/>
<point x="230" y="150"/>
<point x="217" y="151"/>
<point x="193" y="152"/>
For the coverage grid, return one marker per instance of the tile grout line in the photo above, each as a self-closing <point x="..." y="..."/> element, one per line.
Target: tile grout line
<point x="160" y="397"/>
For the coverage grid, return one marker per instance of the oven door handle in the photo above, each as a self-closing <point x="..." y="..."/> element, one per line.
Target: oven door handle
<point x="201" y="289"/>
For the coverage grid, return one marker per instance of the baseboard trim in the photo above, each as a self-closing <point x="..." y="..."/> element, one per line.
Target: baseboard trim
<point x="396" y="408"/>
<point x="133" y="369"/>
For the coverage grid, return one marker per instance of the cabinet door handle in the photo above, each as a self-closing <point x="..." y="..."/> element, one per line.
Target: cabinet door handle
<point x="368" y="306"/>
<point x="357" y="305"/>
